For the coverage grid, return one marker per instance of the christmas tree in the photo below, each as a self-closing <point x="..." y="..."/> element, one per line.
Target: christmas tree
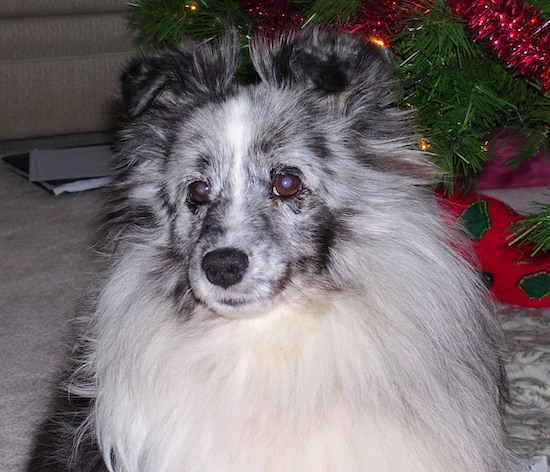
<point x="467" y="69"/>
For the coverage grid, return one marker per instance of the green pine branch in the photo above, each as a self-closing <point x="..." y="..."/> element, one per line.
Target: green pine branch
<point x="534" y="230"/>
<point x="543" y="6"/>
<point x="460" y="93"/>
<point x="163" y="23"/>
<point x="330" y="11"/>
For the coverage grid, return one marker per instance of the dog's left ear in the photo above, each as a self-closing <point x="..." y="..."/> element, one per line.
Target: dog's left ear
<point x="321" y="60"/>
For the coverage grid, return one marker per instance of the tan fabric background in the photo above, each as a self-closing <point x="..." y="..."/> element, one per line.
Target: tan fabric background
<point x="59" y="65"/>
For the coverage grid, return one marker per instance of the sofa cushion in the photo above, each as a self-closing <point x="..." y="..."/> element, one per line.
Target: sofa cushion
<point x="64" y="35"/>
<point x="16" y="8"/>
<point x="59" y="96"/>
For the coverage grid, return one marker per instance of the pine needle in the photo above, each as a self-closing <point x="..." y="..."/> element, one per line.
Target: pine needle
<point x="534" y="230"/>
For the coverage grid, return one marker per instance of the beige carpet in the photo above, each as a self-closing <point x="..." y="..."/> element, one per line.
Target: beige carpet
<point x="43" y="252"/>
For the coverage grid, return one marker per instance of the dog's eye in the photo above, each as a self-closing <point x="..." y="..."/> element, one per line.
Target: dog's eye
<point x="199" y="192"/>
<point x="286" y="185"/>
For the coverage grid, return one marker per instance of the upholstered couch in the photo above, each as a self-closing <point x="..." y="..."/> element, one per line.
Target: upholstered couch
<point x="59" y="65"/>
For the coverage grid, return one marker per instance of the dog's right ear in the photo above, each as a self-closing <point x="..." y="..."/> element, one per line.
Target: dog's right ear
<point x="175" y="77"/>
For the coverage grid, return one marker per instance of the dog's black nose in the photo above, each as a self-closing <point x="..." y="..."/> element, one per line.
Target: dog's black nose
<point x="225" y="266"/>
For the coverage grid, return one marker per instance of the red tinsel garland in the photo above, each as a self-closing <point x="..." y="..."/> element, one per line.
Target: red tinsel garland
<point x="272" y="15"/>
<point x="515" y="31"/>
<point x="376" y="21"/>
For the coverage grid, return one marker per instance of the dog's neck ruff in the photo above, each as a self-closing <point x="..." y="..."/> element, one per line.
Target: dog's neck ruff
<point x="309" y="388"/>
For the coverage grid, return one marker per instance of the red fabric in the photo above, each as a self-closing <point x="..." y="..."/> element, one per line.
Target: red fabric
<point x="507" y="267"/>
<point x="530" y="173"/>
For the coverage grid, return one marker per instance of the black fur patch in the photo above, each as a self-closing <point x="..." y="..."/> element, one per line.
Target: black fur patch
<point x="189" y="74"/>
<point x="325" y="234"/>
<point x="318" y="145"/>
<point x="327" y="75"/>
<point x="128" y="215"/>
<point x="53" y="449"/>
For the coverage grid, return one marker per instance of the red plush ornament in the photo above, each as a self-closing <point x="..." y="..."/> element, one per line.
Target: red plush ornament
<point x="512" y="275"/>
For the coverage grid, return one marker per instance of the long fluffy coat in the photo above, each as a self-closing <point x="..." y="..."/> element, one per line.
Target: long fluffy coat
<point x="282" y="292"/>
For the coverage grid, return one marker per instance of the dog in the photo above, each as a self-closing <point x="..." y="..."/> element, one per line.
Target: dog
<point x="282" y="291"/>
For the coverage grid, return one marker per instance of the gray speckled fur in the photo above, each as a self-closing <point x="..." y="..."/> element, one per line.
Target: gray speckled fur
<point x="357" y="339"/>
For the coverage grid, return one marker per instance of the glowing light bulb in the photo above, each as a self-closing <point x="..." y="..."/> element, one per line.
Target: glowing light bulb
<point x="424" y="144"/>
<point x="378" y="42"/>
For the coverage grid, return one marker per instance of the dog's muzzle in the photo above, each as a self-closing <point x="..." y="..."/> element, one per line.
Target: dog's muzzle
<point x="225" y="266"/>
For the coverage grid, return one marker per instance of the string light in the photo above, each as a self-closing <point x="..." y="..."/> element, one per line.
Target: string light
<point x="191" y="6"/>
<point x="379" y="42"/>
<point x="424" y="144"/>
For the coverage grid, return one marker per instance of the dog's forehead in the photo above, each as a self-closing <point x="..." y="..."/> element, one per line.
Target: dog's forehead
<point x="255" y="125"/>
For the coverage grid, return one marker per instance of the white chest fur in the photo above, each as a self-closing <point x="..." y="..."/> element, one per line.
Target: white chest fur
<point x="322" y="391"/>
